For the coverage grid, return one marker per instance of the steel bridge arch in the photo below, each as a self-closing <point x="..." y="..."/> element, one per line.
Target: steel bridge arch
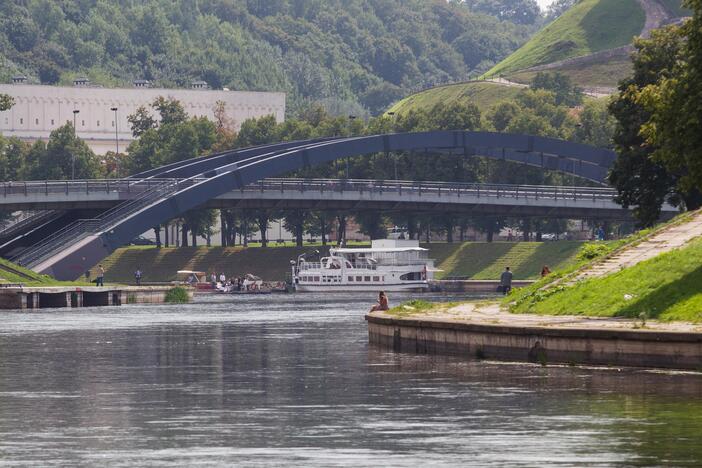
<point x="223" y="175"/>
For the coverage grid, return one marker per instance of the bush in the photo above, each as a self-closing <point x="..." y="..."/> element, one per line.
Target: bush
<point x="177" y="295"/>
<point x="593" y="250"/>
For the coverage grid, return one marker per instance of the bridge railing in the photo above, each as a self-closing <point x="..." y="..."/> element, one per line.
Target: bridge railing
<point x="49" y="187"/>
<point x="401" y="187"/>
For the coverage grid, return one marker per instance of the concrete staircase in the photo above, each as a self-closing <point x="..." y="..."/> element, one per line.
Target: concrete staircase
<point x="664" y="240"/>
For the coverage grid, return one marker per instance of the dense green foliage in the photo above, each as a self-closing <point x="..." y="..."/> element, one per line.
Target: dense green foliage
<point x="177" y="295"/>
<point x="674" y="128"/>
<point x="344" y="53"/>
<point x="587" y="27"/>
<point x="518" y="11"/>
<point x="641" y="182"/>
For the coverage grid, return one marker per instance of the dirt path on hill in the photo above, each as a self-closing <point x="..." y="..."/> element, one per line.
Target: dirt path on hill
<point x="666" y="240"/>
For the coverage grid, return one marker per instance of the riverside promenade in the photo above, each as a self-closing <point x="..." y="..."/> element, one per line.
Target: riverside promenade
<point x="486" y="331"/>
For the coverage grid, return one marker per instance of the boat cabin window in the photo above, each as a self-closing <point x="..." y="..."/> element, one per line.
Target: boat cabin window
<point x="359" y="278"/>
<point x="350" y="279"/>
<point x="366" y="278"/>
<point x="376" y="278"/>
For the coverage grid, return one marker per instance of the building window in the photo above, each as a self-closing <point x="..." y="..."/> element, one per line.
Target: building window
<point x="36" y="121"/>
<point x="52" y="121"/>
<point x="98" y="123"/>
<point x="21" y="121"/>
<point x="113" y="123"/>
<point x="82" y="123"/>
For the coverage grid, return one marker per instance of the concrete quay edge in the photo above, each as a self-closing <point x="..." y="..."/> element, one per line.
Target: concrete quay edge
<point x="546" y="344"/>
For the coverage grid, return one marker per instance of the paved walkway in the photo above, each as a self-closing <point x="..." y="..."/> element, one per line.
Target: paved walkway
<point x="491" y="313"/>
<point x="668" y="239"/>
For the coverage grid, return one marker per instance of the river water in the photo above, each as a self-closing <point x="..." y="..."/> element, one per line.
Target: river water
<point x="290" y="380"/>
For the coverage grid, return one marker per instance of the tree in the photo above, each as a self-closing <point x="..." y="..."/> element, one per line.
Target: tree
<point x="674" y="127"/>
<point x="141" y="121"/>
<point x="597" y="125"/>
<point x="640" y="181"/>
<point x="294" y="221"/>
<point x="6" y="102"/>
<point x="564" y="90"/>
<point x="517" y="11"/>
<point x="558" y="7"/>
<point x="56" y="159"/>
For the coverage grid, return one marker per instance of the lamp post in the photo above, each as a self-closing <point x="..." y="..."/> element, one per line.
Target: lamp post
<point x="73" y="155"/>
<point x="394" y="156"/>
<point x="351" y="119"/>
<point x="114" y="109"/>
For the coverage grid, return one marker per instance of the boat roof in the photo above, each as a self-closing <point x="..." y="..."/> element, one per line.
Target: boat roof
<point x="380" y="250"/>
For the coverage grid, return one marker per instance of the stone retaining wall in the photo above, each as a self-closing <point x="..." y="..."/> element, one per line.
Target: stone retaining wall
<point x="543" y="345"/>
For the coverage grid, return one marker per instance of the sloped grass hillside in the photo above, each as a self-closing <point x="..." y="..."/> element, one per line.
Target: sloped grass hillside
<point x="589" y="26"/>
<point x="486" y="261"/>
<point x="482" y="94"/>
<point x="161" y="265"/>
<point x="667" y="287"/>
<point x="11" y="273"/>
<point x="475" y="260"/>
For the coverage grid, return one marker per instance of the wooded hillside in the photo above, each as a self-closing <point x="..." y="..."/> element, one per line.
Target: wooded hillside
<point x="346" y="53"/>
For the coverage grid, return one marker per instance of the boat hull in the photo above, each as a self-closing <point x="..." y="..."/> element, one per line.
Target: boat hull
<point x="408" y="287"/>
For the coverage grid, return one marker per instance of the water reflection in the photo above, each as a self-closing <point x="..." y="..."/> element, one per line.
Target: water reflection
<point x="290" y="380"/>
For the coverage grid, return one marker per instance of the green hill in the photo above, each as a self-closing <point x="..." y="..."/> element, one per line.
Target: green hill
<point x="589" y="26"/>
<point x="482" y="94"/>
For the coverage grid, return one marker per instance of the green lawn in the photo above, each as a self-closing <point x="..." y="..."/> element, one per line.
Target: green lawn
<point x="482" y="94"/>
<point x="606" y="74"/>
<point x="476" y="260"/>
<point x="11" y="273"/>
<point x="589" y="26"/>
<point x="486" y="261"/>
<point x="667" y="287"/>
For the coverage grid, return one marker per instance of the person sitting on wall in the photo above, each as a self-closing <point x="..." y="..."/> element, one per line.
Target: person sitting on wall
<point x="382" y="303"/>
<point x="137" y="276"/>
<point x="545" y="271"/>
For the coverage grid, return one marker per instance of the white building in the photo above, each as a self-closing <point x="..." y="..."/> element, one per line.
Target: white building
<point x="40" y="109"/>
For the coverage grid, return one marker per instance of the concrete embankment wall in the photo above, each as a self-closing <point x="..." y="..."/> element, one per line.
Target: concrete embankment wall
<point x="62" y="296"/>
<point x="639" y="348"/>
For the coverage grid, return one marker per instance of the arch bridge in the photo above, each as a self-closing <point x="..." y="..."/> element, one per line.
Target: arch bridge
<point x="67" y="253"/>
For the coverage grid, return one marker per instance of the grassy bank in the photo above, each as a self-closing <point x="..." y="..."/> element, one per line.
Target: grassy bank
<point x="475" y="260"/>
<point x="666" y="287"/>
<point x="587" y="27"/>
<point x="15" y="274"/>
<point x="482" y="94"/>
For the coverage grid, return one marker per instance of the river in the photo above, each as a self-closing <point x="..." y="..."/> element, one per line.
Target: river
<point x="289" y="380"/>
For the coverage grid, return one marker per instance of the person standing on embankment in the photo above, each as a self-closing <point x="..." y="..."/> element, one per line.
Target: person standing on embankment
<point x="506" y="281"/>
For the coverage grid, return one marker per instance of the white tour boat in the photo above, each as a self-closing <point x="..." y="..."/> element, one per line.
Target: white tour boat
<point x="389" y="265"/>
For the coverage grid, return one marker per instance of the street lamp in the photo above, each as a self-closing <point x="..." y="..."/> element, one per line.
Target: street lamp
<point x="73" y="155"/>
<point x="351" y="119"/>
<point x="114" y="109"/>
<point x="394" y="156"/>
